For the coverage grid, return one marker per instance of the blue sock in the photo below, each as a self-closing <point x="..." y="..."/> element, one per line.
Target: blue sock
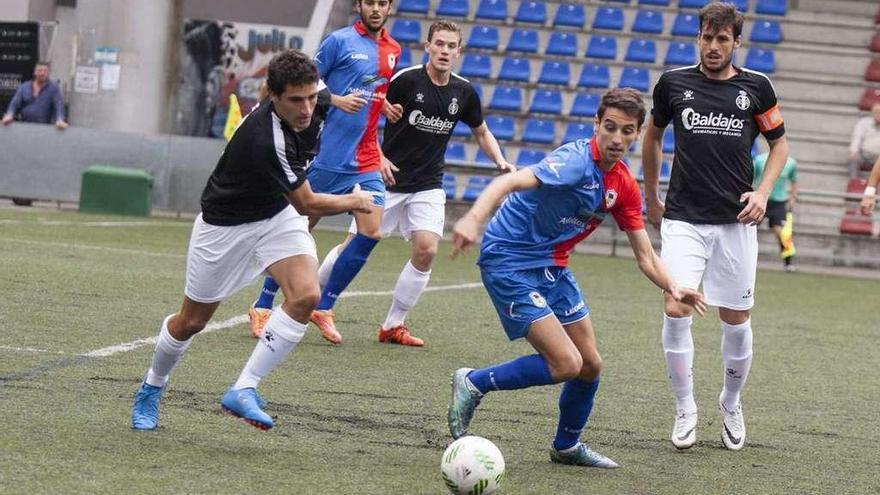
<point x="267" y="295"/>
<point x="575" y="404"/>
<point x="522" y="372"/>
<point x="347" y="266"/>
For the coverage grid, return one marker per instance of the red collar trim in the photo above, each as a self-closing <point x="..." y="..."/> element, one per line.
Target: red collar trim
<point x="363" y="31"/>
<point x="594" y="147"/>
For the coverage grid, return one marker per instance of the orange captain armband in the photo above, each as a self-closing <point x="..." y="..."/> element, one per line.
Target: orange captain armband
<point x="769" y="120"/>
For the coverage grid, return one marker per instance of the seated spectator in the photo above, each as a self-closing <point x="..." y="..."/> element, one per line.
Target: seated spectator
<point x="780" y="206"/>
<point x="869" y="197"/>
<point x="37" y="100"/>
<point x="864" y="149"/>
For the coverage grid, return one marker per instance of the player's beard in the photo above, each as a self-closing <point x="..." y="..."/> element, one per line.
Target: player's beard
<point x="724" y="64"/>
<point x="366" y="22"/>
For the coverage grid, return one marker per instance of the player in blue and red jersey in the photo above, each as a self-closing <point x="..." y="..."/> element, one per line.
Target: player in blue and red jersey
<point x="356" y="64"/>
<point x="523" y="262"/>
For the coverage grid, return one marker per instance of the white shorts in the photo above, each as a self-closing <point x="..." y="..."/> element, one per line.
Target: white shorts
<point x="223" y="260"/>
<point x="724" y="257"/>
<point x="409" y="212"/>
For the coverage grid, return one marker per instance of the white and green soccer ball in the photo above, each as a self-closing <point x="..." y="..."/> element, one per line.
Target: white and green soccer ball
<point x="472" y="466"/>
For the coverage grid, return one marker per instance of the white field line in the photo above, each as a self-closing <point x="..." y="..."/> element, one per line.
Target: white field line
<point x="61" y="223"/>
<point x="89" y="246"/>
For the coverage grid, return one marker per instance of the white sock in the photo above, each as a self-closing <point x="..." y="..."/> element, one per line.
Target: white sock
<point x="327" y="266"/>
<point x="736" y="353"/>
<point x="678" y="346"/>
<point x="410" y="285"/>
<point x="165" y="357"/>
<point x="281" y="335"/>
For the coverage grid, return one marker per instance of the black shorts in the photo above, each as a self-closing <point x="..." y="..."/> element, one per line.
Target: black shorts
<point x="776" y="211"/>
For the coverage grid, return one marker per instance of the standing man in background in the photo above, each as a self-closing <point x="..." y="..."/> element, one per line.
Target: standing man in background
<point x="38" y="101"/>
<point x="780" y="206"/>
<point x="864" y="146"/>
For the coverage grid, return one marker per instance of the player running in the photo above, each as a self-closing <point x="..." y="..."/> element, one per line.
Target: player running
<point x="523" y="261"/>
<point x="248" y="226"/>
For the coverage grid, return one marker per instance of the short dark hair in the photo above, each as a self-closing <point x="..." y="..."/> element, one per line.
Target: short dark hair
<point x="291" y="67"/>
<point x="718" y="15"/>
<point x="443" y="25"/>
<point x="627" y="100"/>
<point x="43" y="62"/>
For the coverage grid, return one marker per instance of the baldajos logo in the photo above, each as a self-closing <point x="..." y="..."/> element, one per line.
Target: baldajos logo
<point x="436" y="125"/>
<point x="691" y="119"/>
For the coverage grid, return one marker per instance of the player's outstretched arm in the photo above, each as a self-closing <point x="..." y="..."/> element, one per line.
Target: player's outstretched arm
<point x="652" y="266"/>
<point x="652" y="152"/>
<point x="467" y="228"/>
<point x="487" y="142"/>
<point x="314" y="204"/>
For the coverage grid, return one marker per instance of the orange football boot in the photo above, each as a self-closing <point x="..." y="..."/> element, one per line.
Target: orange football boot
<point x="323" y="318"/>
<point x="258" y="318"/>
<point x="399" y="335"/>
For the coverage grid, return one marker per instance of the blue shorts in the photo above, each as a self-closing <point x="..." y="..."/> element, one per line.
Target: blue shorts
<point x="525" y="296"/>
<point x="333" y="182"/>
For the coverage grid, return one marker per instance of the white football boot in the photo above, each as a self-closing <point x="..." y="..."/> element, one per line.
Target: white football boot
<point x="684" y="433"/>
<point x="733" y="427"/>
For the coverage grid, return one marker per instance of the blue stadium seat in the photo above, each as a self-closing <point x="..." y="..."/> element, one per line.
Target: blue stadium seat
<point x="485" y="37"/>
<point x="669" y="142"/>
<point x="641" y="51"/>
<point x="634" y="77"/>
<point x="648" y="21"/>
<point x="483" y="159"/>
<point x="546" y="101"/>
<point x="764" y="31"/>
<point x="414" y="6"/>
<point x="452" y="8"/>
<point x="529" y="156"/>
<point x="608" y="18"/>
<point x="478" y="88"/>
<point x="501" y="126"/>
<point x="406" y="31"/>
<point x="661" y="3"/>
<point x="585" y="105"/>
<point x="454" y="151"/>
<point x="405" y="59"/>
<point x="562" y="43"/>
<point x="535" y="12"/>
<point x="539" y="131"/>
<point x="476" y="66"/>
<point x="449" y="186"/>
<point x="680" y="53"/>
<point x="692" y="4"/>
<point x="508" y="98"/>
<point x="760" y="60"/>
<point x="475" y="185"/>
<point x="771" y="7"/>
<point x="685" y="25"/>
<point x="741" y="5"/>
<point x="461" y="130"/>
<point x="578" y="130"/>
<point x="515" y="69"/>
<point x="602" y="47"/>
<point x="595" y="76"/>
<point x="523" y="40"/>
<point x="665" y="171"/>
<point x="553" y="72"/>
<point x="570" y="14"/>
<point x="492" y="9"/>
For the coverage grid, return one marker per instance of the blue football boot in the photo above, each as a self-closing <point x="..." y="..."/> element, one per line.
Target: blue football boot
<point x="243" y="404"/>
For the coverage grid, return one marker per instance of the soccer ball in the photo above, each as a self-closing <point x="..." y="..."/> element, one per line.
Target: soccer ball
<point x="472" y="466"/>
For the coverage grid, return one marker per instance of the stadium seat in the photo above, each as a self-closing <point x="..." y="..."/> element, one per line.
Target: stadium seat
<point x="452" y="8"/>
<point x="669" y="142"/>
<point x="515" y="69"/>
<point x="523" y="40"/>
<point x="534" y="12"/>
<point x="449" y="186"/>
<point x="641" y="51"/>
<point x="507" y="98"/>
<point x="546" y="101"/>
<point x="578" y="130"/>
<point x="608" y="18"/>
<point x="875" y="42"/>
<point x="741" y="5"/>
<point x="856" y="185"/>
<point x="634" y="77"/>
<point x="495" y="10"/>
<point x="595" y="76"/>
<point x="648" y="21"/>
<point x="529" y="156"/>
<point x="475" y="186"/>
<point x="483" y="160"/>
<point x="406" y="31"/>
<point x="585" y="105"/>
<point x="405" y="59"/>
<point x="478" y="88"/>
<point x="685" y="25"/>
<point x="501" y="126"/>
<point x="872" y="72"/>
<point x="679" y="53"/>
<point x="571" y="15"/>
<point x="771" y="7"/>
<point x="692" y="4"/>
<point x="461" y="130"/>
<point x="539" y="131"/>
<point x="553" y="72"/>
<point x="562" y="43"/>
<point x="853" y="222"/>
<point x="454" y="152"/>
<point x="869" y="98"/>
<point x="485" y="37"/>
<point x="764" y="31"/>
<point x="476" y="66"/>
<point x="414" y="6"/>
<point x="760" y="60"/>
<point x="602" y="47"/>
<point x="661" y="3"/>
<point x="665" y="171"/>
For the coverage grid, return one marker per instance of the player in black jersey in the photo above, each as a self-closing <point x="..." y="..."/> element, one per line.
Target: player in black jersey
<point x="248" y="226"/>
<point x="432" y="99"/>
<point x="710" y="215"/>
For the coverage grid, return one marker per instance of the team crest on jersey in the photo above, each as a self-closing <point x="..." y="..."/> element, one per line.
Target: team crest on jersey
<point x="538" y="300"/>
<point x="743" y="101"/>
<point x="610" y="198"/>
<point x="453" y="107"/>
<point x="420" y="98"/>
<point x="688" y="95"/>
<point x="391" y="60"/>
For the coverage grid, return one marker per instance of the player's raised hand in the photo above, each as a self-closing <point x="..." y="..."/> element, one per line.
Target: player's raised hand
<point x="690" y="297"/>
<point x="464" y="234"/>
<point x="756" y="207"/>
<point x="364" y="199"/>
<point x="867" y="204"/>
<point x="387" y="169"/>
<point x="350" y="103"/>
<point x="392" y="112"/>
<point x="656" y="209"/>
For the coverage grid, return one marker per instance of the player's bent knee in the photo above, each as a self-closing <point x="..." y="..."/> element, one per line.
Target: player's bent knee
<point x="591" y="368"/>
<point x="564" y="368"/>
<point x="733" y="316"/>
<point x="193" y="325"/>
<point x="675" y="309"/>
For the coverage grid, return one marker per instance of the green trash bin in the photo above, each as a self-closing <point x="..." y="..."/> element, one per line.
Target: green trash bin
<point x="114" y="190"/>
